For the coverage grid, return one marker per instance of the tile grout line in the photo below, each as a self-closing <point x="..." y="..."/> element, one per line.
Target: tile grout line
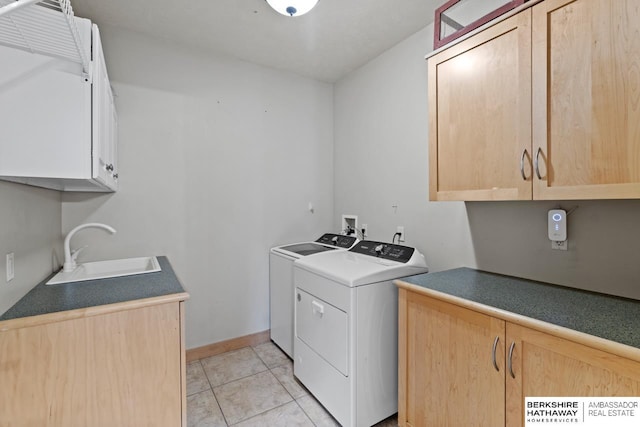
<point x="267" y="369"/>
<point x="282" y="384"/>
<point x="264" y="362"/>
<point x="264" y="412"/>
<point x="239" y="378"/>
<point x="278" y="366"/>
<point x="294" y="399"/>
<point x="305" y="412"/>
<point x="212" y="392"/>
<point x="308" y="394"/>
<point x="205" y="375"/>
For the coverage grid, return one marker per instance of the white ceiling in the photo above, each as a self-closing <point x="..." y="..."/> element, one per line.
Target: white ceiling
<point x="336" y="37"/>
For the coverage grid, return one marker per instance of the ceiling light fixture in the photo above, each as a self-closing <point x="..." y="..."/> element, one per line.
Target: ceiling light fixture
<point x="292" y="7"/>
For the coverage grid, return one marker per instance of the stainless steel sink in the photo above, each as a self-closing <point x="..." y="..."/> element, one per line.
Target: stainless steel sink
<point x="105" y="269"/>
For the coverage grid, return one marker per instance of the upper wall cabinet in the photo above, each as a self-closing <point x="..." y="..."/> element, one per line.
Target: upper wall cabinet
<point x="480" y="114"/>
<point x="58" y="120"/>
<point x="544" y="105"/>
<point x="586" y="99"/>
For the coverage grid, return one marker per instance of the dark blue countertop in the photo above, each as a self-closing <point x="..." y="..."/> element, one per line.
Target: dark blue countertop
<point x="605" y="316"/>
<point x="45" y="299"/>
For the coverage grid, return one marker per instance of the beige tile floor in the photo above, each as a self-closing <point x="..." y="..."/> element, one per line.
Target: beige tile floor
<point x="253" y="386"/>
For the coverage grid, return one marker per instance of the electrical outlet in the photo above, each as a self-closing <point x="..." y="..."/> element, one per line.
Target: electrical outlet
<point x="560" y="245"/>
<point x="365" y="230"/>
<point x="400" y="229"/>
<point x="10" y="267"/>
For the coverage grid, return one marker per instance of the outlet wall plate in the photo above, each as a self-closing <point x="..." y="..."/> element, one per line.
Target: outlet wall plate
<point x="10" y="267"/>
<point x="559" y="245"/>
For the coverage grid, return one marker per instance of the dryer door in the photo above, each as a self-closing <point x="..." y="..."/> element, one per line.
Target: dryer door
<point x="324" y="328"/>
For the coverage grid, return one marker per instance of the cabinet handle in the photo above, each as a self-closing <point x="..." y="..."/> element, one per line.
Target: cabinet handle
<point x="493" y="354"/>
<point x="524" y="152"/>
<point x="115" y="176"/>
<point x="535" y="162"/>
<point x="109" y="167"/>
<point x="510" y="360"/>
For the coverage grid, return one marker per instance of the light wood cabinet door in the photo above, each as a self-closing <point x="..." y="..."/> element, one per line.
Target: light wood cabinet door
<point x="447" y="375"/>
<point x="544" y="365"/>
<point x="586" y="99"/>
<point x="123" y="368"/>
<point x="480" y="115"/>
<point x="446" y="372"/>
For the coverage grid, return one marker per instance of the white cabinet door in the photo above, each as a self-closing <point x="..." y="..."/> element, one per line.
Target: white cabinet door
<point x="45" y="111"/>
<point x="58" y="130"/>
<point x="104" y="137"/>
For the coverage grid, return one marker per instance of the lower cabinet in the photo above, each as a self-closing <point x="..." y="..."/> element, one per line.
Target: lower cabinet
<point x="444" y="377"/>
<point x="545" y="365"/>
<point x="461" y="367"/>
<point x="121" y="368"/>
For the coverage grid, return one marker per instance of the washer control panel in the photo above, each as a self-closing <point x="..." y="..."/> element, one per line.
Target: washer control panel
<point x="384" y="250"/>
<point x="337" y="240"/>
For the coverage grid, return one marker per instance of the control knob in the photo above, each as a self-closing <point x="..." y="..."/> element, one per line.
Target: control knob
<point x="379" y="249"/>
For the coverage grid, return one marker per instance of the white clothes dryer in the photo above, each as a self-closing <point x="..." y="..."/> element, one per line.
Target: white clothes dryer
<point x="346" y="328"/>
<point x="281" y="294"/>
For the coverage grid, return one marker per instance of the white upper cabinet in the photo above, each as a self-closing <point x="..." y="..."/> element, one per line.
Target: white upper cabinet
<point x="58" y="123"/>
<point x="104" y="120"/>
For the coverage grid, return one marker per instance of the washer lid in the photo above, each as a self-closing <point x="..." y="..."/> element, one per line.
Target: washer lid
<point x="326" y="242"/>
<point x="304" y="249"/>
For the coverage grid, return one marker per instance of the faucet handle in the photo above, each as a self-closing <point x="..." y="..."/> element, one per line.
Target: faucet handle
<point x="76" y="252"/>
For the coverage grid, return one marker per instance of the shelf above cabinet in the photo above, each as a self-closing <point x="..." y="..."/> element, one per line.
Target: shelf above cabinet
<point x="45" y="27"/>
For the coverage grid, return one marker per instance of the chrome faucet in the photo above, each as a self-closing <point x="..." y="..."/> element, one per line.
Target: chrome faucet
<point x="70" y="256"/>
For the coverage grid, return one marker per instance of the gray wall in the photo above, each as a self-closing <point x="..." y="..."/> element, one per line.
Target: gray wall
<point x="381" y="156"/>
<point x="219" y="160"/>
<point x="381" y="160"/>
<point x="603" y="248"/>
<point x="30" y="228"/>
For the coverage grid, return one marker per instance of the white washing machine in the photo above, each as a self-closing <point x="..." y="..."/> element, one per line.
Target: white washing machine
<point x="281" y="294"/>
<point x="346" y="328"/>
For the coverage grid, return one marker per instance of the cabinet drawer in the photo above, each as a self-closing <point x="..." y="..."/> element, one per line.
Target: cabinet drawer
<point x="324" y="328"/>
